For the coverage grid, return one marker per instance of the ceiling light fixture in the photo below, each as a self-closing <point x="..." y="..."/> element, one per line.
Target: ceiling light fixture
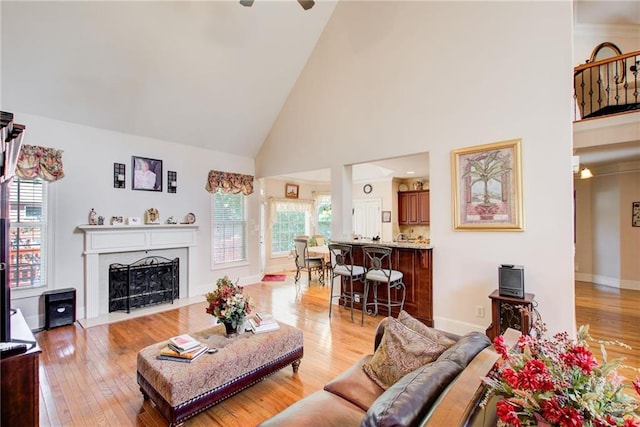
<point x="585" y="173"/>
<point x="306" y="4"/>
<point x="410" y="172"/>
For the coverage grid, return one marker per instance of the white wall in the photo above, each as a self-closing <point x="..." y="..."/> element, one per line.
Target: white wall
<point x="607" y="245"/>
<point x="394" y="78"/>
<point x="89" y="154"/>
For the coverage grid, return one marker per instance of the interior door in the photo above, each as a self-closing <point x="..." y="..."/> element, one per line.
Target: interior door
<point x="367" y="220"/>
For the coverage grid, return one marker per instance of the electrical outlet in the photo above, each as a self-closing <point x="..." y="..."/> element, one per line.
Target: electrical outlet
<point x="479" y="311"/>
<point x="356" y="297"/>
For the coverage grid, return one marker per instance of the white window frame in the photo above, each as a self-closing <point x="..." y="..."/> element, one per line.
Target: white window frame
<point x="46" y="241"/>
<point x="320" y="199"/>
<point x="306" y="206"/>
<point x="229" y="264"/>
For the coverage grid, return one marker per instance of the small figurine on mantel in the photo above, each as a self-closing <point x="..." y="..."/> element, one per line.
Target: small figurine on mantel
<point x="93" y="217"/>
<point x="101" y="220"/>
<point x="171" y="220"/>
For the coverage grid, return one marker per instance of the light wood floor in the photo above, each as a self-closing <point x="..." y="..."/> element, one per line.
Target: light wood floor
<point x="88" y="376"/>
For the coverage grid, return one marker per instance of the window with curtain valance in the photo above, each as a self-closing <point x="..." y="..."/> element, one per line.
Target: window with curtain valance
<point x="229" y="183"/>
<point x="39" y="162"/>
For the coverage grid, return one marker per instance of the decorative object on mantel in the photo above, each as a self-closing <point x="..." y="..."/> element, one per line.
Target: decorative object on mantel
<point x="190" y="218"/>
<point x="229" y="183"/>
<point x="152" y="216"/>
<point x="171" y="220"/>
<point x="100" y="220"/>
<point x="93" y="217"/>
<point x="117" y="220"/>
<point x="229" y="305"/>
<point x="133" y="220"/>
<point x="558" y="381"/>
<point x="417" y="186"/>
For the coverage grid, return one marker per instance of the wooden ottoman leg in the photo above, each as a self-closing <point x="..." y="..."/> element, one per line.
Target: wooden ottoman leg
<point x="295" y="365"/>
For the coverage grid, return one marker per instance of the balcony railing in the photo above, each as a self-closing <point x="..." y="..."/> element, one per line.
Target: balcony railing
<point x="608" y="86"/>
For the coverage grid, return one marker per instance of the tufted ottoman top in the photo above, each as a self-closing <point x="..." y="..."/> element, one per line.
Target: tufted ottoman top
<point x="180" y="382"/>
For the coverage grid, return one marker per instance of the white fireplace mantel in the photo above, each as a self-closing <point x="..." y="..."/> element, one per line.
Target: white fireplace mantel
<point x="103" y="239"/>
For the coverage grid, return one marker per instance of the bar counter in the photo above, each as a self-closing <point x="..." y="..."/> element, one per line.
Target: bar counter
<point x="414" y="260"/>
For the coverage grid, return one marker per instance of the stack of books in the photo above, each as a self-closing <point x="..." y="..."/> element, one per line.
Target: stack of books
<point x="262" y="323"/>
<point x="182" y="348"/>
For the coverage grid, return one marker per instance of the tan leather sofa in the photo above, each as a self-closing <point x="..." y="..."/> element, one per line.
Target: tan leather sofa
<point x="446" y="392"/>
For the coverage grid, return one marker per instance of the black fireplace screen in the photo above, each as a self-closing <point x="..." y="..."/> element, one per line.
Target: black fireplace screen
<point x="148" y="281"/>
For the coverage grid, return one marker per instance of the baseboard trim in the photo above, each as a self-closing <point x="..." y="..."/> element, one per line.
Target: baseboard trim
<point x="608" y="281"/>
<point x="456" y="327"/>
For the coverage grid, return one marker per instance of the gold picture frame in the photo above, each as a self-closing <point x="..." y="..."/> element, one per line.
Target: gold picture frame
<point x="487" y="187"/>
<point x="291" y="191"/>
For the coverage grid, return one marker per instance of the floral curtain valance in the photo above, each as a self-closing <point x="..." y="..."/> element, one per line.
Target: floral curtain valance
<point x="39" y="162"/>
<point x="228" y="182"/>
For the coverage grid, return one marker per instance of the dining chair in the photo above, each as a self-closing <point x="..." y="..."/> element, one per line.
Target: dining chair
<point x="379" y="265"/>
<point x="319" y="239"/>
<point x="342" y="266"/>
<point x="305" y="262"/>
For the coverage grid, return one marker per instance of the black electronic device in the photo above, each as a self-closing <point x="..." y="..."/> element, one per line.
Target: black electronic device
<point x="511" y="280"/>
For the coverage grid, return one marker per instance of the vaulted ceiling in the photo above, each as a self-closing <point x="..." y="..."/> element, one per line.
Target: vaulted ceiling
<point x="213" y="74"/>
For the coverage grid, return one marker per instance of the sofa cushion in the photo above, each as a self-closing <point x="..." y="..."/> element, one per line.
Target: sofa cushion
<point x="401" y="351"/>
<point x="407" y="401"/>
<point x="466" y="348"/>
<point x="431" y="333"/>
<point x="355" y="385"/>
<point x="313" y="410"/>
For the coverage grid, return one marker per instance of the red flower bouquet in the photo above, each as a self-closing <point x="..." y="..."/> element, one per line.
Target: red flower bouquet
<point x="559" y="382"/>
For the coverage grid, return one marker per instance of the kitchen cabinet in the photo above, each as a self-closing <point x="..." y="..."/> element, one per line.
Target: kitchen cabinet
<point x="413" y="207"/>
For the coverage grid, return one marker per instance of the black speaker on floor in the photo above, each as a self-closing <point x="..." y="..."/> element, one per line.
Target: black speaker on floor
<point x="511" y="281"/>
<point x="59" y="307"/>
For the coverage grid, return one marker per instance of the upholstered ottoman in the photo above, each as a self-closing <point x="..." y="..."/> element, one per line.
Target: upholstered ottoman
<point x="182" y="390"/>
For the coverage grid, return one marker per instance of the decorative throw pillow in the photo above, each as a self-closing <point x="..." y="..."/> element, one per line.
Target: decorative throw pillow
<point x="401" y="351"/>
<point x="419" y="327"/>
<point x="408" y="401"/>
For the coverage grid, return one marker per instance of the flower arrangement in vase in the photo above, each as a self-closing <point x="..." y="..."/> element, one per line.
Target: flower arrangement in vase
<point x="558" y="382"/>
<point x="228" y="304"/>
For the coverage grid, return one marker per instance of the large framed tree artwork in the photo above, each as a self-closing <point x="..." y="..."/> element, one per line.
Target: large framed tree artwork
<point x="487" y="187"/>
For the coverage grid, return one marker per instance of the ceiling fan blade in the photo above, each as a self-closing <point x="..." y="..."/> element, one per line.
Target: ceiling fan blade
<point x="306" y="4"/>
<point x="246" y="3"/>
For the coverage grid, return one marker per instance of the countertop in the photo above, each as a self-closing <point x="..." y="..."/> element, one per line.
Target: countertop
<point x="369" y="242"/>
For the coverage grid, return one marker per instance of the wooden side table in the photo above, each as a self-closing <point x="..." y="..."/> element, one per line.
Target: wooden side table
<point x="510" y="312"/>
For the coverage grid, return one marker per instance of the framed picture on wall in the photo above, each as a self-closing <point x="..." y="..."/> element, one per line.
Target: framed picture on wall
<point x="487" y="187"/>
<point x="386" y="216"/>
<point x="291" y="191"/>
<point x="635" y="214"/>
<point x="147" y="174"/>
